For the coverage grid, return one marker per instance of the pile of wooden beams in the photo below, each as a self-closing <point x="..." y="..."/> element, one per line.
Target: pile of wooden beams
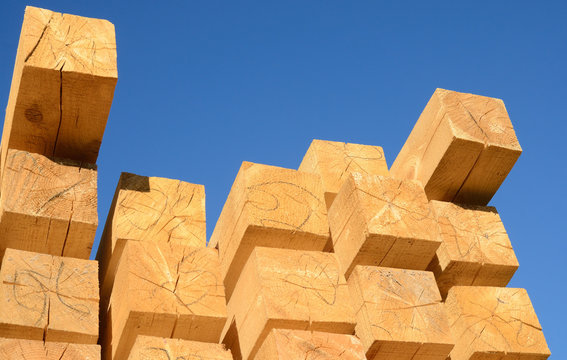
<point x="340" y="259"/>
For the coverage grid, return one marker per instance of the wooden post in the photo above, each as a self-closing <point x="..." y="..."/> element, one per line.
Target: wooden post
<point x="150" y="209"/>
<point x="273" y="207"/>
<point x="48" y="206"/>
<point x="149" y="347"/>
<point x="400" y="315"/>
<point x="44" y="297"/>
<point x="291" y="289"/>
<point x="282" y="344"/>
<point x="18" y="349"/>
<point x="382" y="221"/>
<point x="62" y="86"/>
<point x="494" y="323"/>
<point x="335" y="161"/>
<point x="461" y="149"/>
<point x="165" y="291"/>
<point x="475" y="248"/>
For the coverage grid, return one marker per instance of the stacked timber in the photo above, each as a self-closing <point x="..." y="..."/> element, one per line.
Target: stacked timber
<point x="159" y="281"/>
<point x="340" y="259"/>
<point x="62" y="89"/>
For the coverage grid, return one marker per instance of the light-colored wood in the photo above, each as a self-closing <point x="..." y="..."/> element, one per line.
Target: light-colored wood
<point x="475" y="248"/>
<point x="382" y="221"/>
<point x="62" y="86"/>
<point x="290" y="289"/>
<point x="493" y="323"/>
<point x="19" y="349"/>
<point x="461" y="149"/>
<point x="334" y="161"/>
<point x="155" y="348"/>
<point x="282" y="344"/>
<point x="151" y="209"/>
<point x="400" y="315"/>
<point x="272" y="207"/>
<point x="165" y="291"/>
<point x="48" y="206"/>
<point x="49" y="298"/>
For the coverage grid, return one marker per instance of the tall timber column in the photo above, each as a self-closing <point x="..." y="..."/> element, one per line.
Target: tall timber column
<point x="461" y="149"/>
<point x="272" y="207"/>
<point x="62" y="86"/>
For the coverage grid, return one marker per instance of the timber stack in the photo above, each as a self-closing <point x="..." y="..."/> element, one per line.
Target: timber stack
<point x="342" y="258"/>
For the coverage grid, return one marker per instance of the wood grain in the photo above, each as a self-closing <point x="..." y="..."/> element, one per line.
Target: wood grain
<point x="19" y="349"/>
<point x="271" y="207"/>
<point x="475" y="247"/>
<point x="155" y="348"/>
<point x="399" y="314"/>
<point x="335" y="161"/>
<point x="62" y="86"/>
<point x="164" y="291"/>
<point x="382" y="221"/>
<point x="490" y="323"/>
<point x="283" y="344"/>
<point x="48" y="205"/>
<point x="50" y="298"/>
<point x="150" y="209"/>
<point x="461" y="149"/>
<point x="289" y="289"/>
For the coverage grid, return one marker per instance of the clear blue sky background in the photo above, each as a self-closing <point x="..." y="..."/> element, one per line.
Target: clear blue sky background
<point x="205" y="85"/>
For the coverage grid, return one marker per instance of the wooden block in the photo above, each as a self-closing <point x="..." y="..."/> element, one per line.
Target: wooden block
<point x="400" y="315"/>
<point x="289" y="289"/>
<point x="150" y="209"/>
<point x="165" y="291"/>
<point x="282" y="344"/>
<point x="461" y="149"/>
<point x="150" y="347"/>
<point x="18" y="349"/>
<point x="62" y="86"/>
<point x="475" y="248"/>
<point x="492" y="323"/>
<point x="382" y="221"/>
<point x="48" y="206"/>
<point x="335" y="161"/>
<point x="272" y="207"/>
<point x="49" y="298"/>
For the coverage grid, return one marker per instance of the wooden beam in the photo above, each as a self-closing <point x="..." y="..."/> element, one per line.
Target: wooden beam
<point x="48" y="206"/>
<point x="461" y="149"/>
<point x="282" y="344"/>
<point x="382" y="221"/>
<point x="399" y="314"/>
<point x="335" y="161"/>
<point x="475" y="248"/>
<point x="272" y="207"/>
<point x="151" y="209"/>
<point x="165" y="291"/>
<point x="62" y="86"/>
<point x="289" y="289"/>
<point x="19" y="349"/>
<point x="44" y="297"/>
<point x="150" y="347"/>
<point x="494" y="323"/>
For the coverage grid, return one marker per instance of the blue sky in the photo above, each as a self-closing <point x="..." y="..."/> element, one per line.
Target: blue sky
<point x="205" y="85"/>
